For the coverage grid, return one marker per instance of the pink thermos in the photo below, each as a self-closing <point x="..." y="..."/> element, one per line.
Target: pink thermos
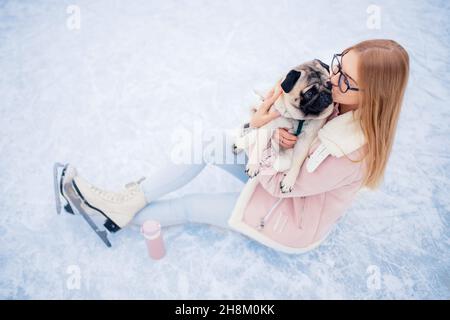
<point x="151" y="230"/>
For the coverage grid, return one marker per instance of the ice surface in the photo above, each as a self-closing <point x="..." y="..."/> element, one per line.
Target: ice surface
<point x="107" y="96"/>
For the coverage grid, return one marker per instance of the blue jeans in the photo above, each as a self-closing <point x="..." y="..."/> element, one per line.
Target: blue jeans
<point x="210" y="208"/>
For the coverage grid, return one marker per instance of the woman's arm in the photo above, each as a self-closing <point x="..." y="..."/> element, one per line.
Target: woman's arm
<point x="262" y="115"/>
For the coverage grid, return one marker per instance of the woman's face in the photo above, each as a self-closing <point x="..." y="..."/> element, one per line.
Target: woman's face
<point x="349" y="65"/>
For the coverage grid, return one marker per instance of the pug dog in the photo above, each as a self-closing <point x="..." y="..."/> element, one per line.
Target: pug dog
<point x="304" y="104"/>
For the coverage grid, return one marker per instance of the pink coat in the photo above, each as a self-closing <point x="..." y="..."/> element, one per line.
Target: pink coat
<point x="300" y="220"/>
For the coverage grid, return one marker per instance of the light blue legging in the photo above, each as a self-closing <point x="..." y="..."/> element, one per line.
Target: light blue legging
<point x="211" y="208"/>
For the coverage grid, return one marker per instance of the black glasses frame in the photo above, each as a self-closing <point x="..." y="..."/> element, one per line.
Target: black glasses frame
<point x="336" y="62"/>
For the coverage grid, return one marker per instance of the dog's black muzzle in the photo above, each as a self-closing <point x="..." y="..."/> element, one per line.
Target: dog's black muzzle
<point x="319" y="102"/>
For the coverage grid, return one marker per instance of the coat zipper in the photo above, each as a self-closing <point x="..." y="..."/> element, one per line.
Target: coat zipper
<point x="300" y="214"/>
<point x="266" y="217"/>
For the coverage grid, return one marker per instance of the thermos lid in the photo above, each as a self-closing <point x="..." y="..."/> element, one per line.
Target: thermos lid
<point x="151" y="229"/>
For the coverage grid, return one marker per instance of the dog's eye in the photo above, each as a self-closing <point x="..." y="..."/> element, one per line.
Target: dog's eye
<point x="308" y="95"/>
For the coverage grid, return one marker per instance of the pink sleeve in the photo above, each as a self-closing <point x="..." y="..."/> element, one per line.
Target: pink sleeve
<point x="332" y="173"/>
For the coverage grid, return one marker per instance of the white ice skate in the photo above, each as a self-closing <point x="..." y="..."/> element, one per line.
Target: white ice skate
<point x="118" y="208"/>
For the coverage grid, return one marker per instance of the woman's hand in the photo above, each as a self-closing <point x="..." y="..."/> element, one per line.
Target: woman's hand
<point x="262" y="115"/>
<point x="284" y="138"/>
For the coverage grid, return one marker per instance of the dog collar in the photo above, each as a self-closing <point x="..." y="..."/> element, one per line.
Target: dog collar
<point x="299" y="127"/>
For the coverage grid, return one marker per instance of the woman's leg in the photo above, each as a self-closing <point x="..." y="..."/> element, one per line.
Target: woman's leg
<point x="168" y="179"/>
<point x="211" y="208"/>
<point x="175" y="176"/>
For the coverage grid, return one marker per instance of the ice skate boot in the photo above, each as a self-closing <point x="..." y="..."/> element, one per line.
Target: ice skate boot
<point x="118" y="213"/>
<point x="118" y="208"/>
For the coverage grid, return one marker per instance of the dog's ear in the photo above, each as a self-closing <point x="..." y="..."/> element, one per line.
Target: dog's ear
<point x="323" y="64"/>
<point x="290" y="80"/>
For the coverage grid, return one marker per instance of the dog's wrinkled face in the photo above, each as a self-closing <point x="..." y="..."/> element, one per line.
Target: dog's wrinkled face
<point x="308" y="88"/>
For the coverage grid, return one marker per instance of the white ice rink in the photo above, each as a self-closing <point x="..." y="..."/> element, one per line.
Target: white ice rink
<point x="107" y="96"/>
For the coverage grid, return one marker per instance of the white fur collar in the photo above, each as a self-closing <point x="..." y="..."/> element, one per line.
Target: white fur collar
<point x="342" y="134"/>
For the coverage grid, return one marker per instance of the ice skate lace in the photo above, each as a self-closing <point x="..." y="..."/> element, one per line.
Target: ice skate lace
<point x="132" y="190"/>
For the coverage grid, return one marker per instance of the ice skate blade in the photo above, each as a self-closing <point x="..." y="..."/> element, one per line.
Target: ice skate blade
<point x="58" y="182"/>
<point x="76" y="203"/>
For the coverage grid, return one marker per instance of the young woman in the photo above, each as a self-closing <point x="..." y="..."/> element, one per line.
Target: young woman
<point x="369" y="81"/>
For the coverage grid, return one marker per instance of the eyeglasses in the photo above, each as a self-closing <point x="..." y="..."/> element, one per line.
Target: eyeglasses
<point x="336" y="67"/>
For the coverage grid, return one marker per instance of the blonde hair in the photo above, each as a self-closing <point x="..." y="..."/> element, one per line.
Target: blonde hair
<point x="383" y="70"/>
